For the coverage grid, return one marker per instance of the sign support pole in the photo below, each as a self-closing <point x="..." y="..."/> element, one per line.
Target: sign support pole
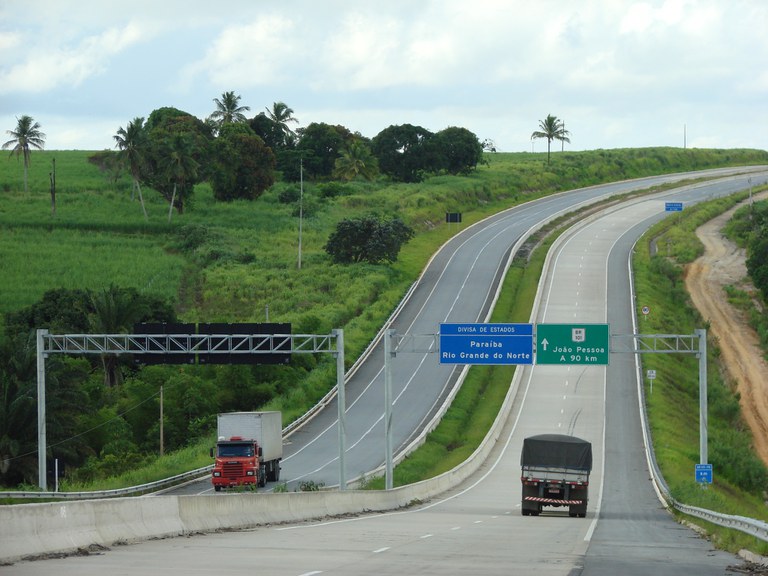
<point x="42" y="470"/>
<point x="703" y="455"/>
<point x="342" y="402"/>
<point x="389" y="482"/>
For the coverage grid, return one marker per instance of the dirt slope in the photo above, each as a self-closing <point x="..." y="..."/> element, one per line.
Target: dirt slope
<point x="722" y="265"/>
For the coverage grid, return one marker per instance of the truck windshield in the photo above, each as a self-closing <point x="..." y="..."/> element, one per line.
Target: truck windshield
<point x="241" y="450"/>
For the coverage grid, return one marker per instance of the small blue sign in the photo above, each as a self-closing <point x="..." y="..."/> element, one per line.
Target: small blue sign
<point x="673" y="206"/>
<point x="704" y="473"/>
<point x="486" y="343"/>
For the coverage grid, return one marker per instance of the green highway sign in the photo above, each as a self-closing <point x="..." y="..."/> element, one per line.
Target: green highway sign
<point x="572" y="344"/>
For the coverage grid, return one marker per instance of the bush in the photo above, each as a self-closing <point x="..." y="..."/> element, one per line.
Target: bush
<point x="289" y="195"/>
<point x="368" y="239"/>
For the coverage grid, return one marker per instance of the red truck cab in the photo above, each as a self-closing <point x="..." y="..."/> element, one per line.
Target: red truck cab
<point x="237" y="464"/>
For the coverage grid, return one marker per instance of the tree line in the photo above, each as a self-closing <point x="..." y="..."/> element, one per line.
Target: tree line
<point x="172" y="150"/>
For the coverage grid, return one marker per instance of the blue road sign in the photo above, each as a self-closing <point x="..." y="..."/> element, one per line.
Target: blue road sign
<point x="704" y="473"/>
<point x="673" y="206"/>
<point x="486" y="343"/>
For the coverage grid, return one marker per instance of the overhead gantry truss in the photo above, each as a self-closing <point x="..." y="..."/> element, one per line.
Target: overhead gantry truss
<point x="187" y="344"/>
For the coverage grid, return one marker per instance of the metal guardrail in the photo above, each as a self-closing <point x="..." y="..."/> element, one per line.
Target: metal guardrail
<point x="749" y="526"/>
<point x="132" y="490"/>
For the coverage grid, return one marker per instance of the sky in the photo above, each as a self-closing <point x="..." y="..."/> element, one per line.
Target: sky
<point x="618" y="73"/>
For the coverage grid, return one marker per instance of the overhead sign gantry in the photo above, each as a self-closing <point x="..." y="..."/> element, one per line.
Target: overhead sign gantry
<point x="229" y="344"/>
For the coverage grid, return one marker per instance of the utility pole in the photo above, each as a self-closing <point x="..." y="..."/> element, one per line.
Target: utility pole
<point x="52" y="176"/>
<point x="162" y="433"/>
<point x="301" y="204"/>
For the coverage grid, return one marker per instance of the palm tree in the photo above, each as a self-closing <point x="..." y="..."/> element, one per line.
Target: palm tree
<point x="228" y="110"/>
<point x="281" y="115"/>
<point x="115" y="311"/>
<point x="26" y="136"/>
<point x="132" y="141"/>
<point x="180" y="168"/>
<point x="356" y="160"/>
<point x="551" y="128"/>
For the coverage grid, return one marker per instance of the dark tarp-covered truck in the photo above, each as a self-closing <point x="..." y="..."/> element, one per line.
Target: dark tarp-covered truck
<point x="555" y="472"/>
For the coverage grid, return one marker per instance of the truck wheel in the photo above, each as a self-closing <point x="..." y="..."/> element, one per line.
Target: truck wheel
<point x="577" y="511"/>
<point x="273" y="471"/>
<point x="262" y="476"/>
<point x="217" y="488"/>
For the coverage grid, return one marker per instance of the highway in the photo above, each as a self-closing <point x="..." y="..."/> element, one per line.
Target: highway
<point x="477" y="528"/>
<point x="459" y="285"/>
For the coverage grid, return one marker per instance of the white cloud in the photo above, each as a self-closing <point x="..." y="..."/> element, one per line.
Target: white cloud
<point x="48" y="67"/>
<point x="9" y="41"/>
<point x="361" y="54"/>
<point x="247" y="55"/>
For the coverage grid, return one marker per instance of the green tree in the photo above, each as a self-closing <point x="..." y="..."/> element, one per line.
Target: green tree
<point x="368" y="238"/>
<point x="356" y="160"/>
<point x="18" y="410"/>
<point x="59" y="310"/>
<point x="757" y="263"/>
<point x="551" y="128"/>
<point x="266" y="128"/>
<point x="244" y="165"/>
<point x="189" y="399"/>
<point x="319" y="145"/>
<point x="403" y="152"/>
<point x="115" y="311"/>
<point x="132" y="143"/>
<point x="178" y="155"/>
<point x="456" y="150"/>
<point x="26" y="136"/>
<point x="65" y="402"/>
<point x="282" y="115"/>
<point x="180" y="169"/>
<point x="228" y="110"/>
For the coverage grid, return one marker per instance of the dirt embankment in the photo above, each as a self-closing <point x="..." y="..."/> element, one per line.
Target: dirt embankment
<point x="723" y="264"/>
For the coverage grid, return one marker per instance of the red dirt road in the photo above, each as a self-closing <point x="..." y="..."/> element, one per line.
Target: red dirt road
<point x="723" y="264"/>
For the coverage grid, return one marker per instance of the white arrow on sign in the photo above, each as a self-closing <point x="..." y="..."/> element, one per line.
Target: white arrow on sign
<point x="544" y="344"/>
